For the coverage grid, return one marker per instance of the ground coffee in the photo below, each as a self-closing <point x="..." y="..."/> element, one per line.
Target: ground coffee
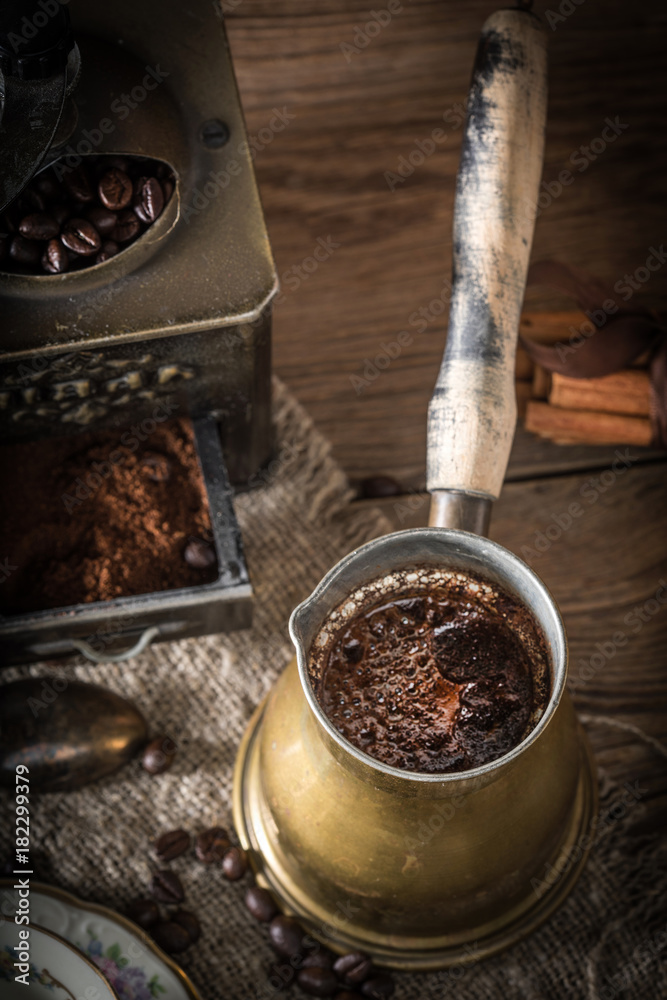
<point x="91" y="517"/>
<point x="443" y="674"/>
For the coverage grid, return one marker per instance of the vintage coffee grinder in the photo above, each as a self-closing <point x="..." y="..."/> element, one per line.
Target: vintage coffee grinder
<point x="182" y="315"/>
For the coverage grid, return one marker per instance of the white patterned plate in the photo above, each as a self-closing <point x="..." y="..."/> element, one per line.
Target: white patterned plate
<point x="48" y="966"/>
<point x="134" y="965"/>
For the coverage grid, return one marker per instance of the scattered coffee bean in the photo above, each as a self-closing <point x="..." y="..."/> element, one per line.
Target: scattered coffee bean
<point x="159" y="755"/>
<point x="380" y="486"/>
<point x="39" y="226"/>
<point x="126" y="228"/>
<point x="212" y="845"/>
<point x="189" y="922"/>
<point x="108" y="250"/>
<point x="199" y="554"/>
<point x="235" y="864"/>
<point x="166" y="887"/>
<point x="322" y="958"/>
<point x="171" y="845"/>
<point x="286" y="936"/>
<point x="54" y="258"/>
<point x="156" y="467"/>
<point x="353" y="968"/>
<point x="317" y="982"/>
<point x="80" y="236"/>
<point x="78" y="184"/>
<point x="260" y="903"/>
<point x="171" y="937"/>
<point x="144" y="912"/>
<point x="148" y="198"/>
<point x="103" y="219"/>
<point x="25" y="252"/>
<point x="115" y="189"/>
<point x="379" y="987"/>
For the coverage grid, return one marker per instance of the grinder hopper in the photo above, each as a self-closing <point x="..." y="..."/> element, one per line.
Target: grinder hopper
<point x="425" y="870"/>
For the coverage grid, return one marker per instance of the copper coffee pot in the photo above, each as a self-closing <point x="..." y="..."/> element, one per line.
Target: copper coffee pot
<point x="425" y="870"/>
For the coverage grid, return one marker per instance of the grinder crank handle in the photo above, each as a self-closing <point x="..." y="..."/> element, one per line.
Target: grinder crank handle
<point x="472" y="414"/>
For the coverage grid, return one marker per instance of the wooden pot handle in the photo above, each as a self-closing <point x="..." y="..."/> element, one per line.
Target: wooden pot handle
<point x="472" y="414"/>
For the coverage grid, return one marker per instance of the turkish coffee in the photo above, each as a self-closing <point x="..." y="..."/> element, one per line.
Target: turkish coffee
<point x="432" y="670"/>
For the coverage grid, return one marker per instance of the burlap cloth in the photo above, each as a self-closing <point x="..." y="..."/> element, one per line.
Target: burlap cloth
<point x="608" y="940"/>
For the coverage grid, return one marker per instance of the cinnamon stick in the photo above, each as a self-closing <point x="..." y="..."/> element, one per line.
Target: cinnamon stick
<point x="624" y="392"/>
<point x="569" y="426"/>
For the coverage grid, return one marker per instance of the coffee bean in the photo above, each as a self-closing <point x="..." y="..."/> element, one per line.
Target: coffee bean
<point x="108" y="250"/>
<point x="155" y="467"/>
<point x="159" y="755"/>
<point x="380" y="486"/>
<point x="115" y="189"/>
<point x="81" y="237"/>
<point x="61" y="213"/>
<point x="199" y="554"/>
<point x="78" y="184"/>
<point x="379" y="987"/>
<point x="54" y="258"/>
<point x="127" y="227"/>
<point x="171" y="845"/>
<point x="25" y="252"/>
<point x="103" y="219"/>
<point x="39" y="226"/>
<point x="260" y="903"/>
<point x="286" y="936"/>
<point x="212" y="845"/>
<point x="189" y="922"/>
<point x="353" y="968"/>
<point x="171" y="937"/>
<point x="235" y="864"/>
<point x="48" y="186"/>
<point x="322" y="958"/>
<point x="148" y="198"/>
<point x="166" y="887"/>
<point x="144" y="912"/>
<point x="317" y="982"/>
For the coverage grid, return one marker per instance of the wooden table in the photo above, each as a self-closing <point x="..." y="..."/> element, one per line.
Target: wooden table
<point x="347" y="117"/>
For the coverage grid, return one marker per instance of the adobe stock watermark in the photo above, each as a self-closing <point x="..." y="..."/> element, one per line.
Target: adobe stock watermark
<point x="643" y="954"/>
<point x="641" y="614"/>
<point x="625" y="287"/>
<point x="590" y="491"/>
<point x="419" y="320"/>
<point x="84" y="487"/>
<point x="566" y="8"/>
<point x="218" y="181"/>
<point x="425" y="147"/>
<point x="121" y="108"/>
<point x="365" y="33"/>
<point x="581" y="158"/>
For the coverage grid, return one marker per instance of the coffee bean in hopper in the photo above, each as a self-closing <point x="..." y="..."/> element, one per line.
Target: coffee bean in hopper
<point x="317" y="982"/>
<point x="211" y="845"/>
<point x="148" y="199"/>
<point x="81" y="237"/>
<point x="39" y="226"/>
<point x="126" y="228"/>
<point x="260" y="903"/>
<point x="166" y="887"/>
<point x="115" y="189"/>
<point x="24" y="252"/>
<point x="171" y="937"/>
<point x="54" y="258"/>
<point x="171" y="844"/>
<point x="144" y="912"/>
<point x="235" y="864"/>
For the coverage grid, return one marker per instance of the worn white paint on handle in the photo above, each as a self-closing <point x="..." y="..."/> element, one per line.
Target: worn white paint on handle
<point x="472" y="415"/>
